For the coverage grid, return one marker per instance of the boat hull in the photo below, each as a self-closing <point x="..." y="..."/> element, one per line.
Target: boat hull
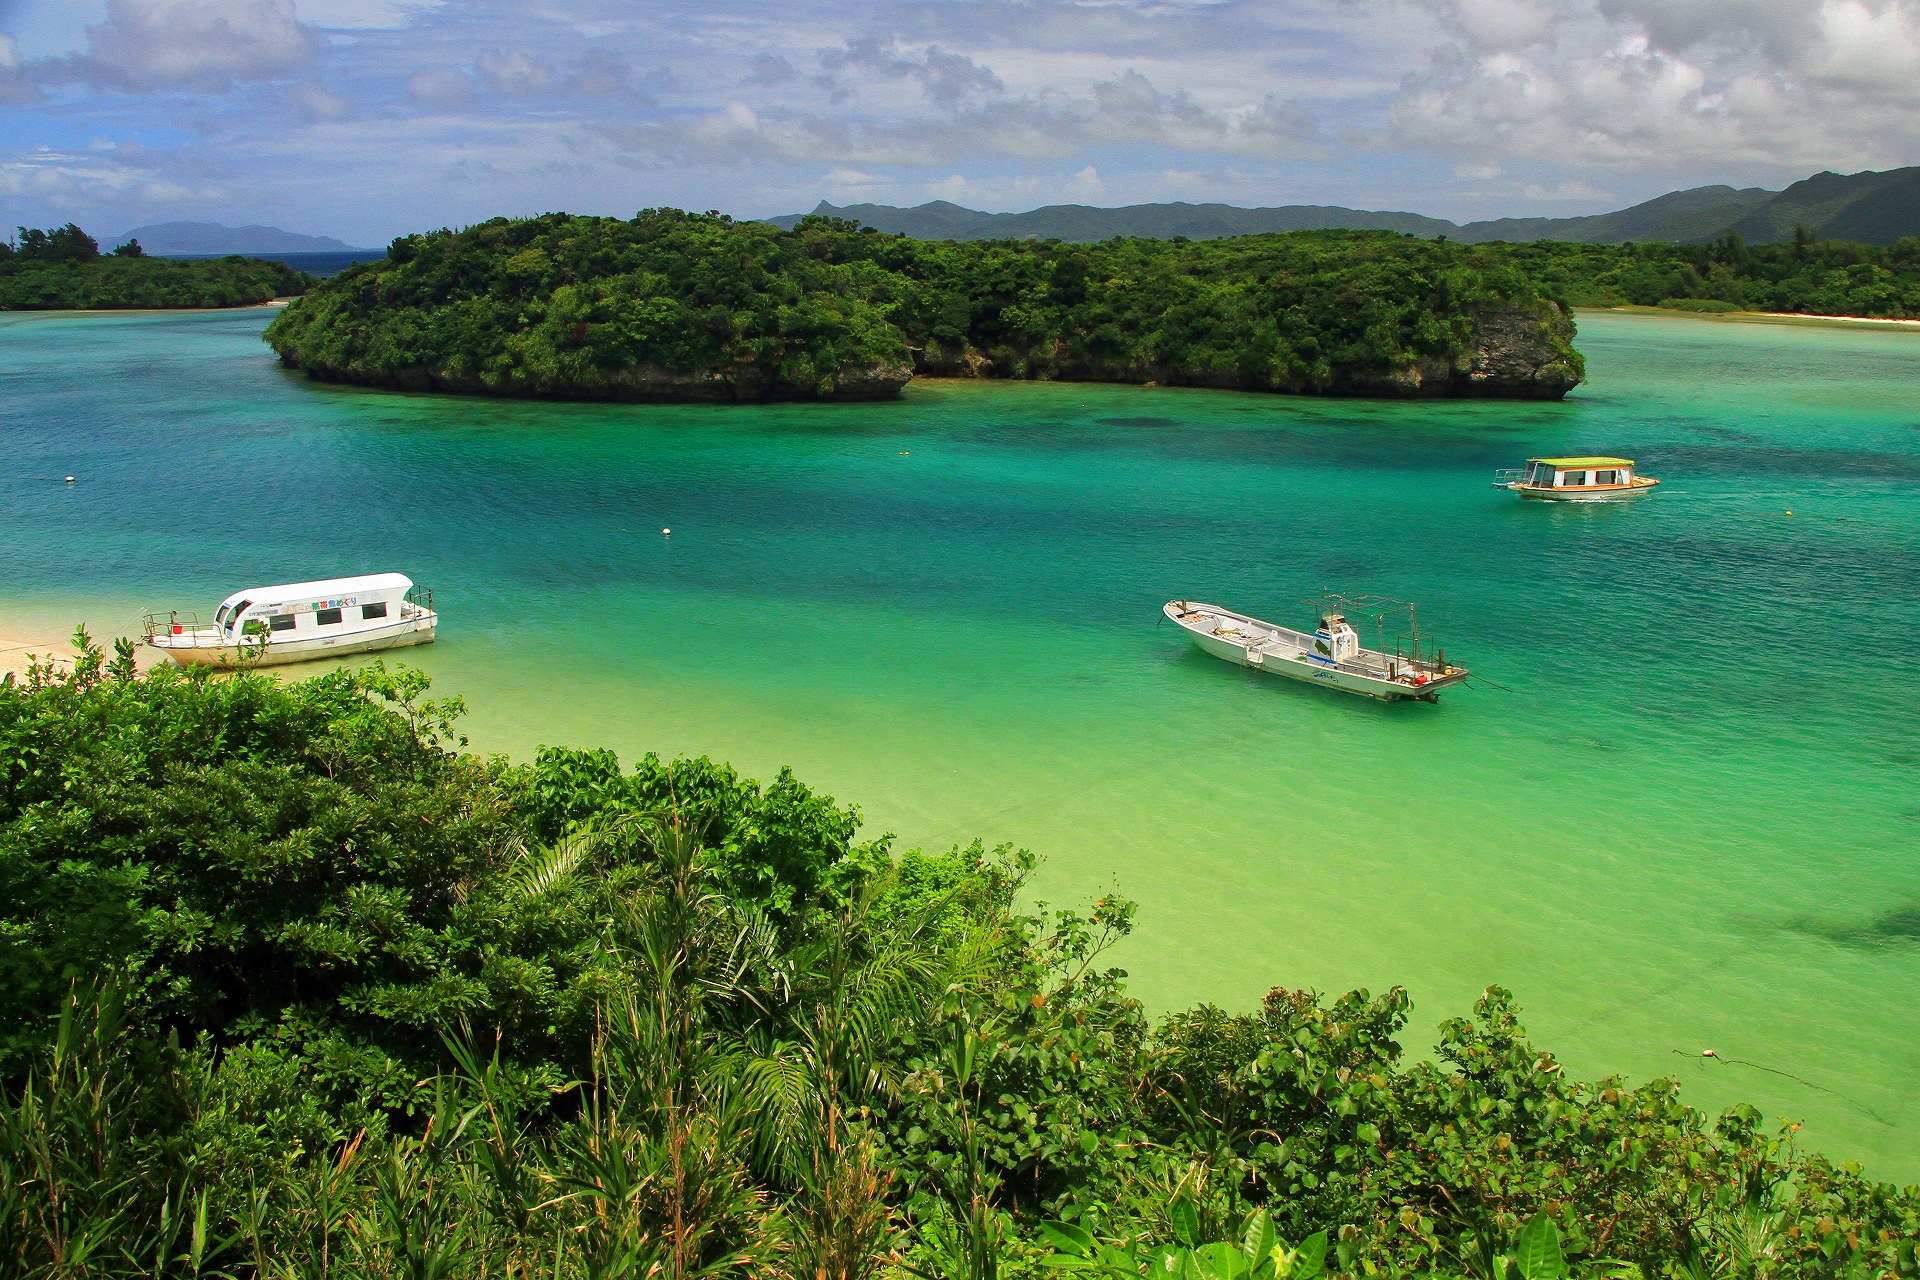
<point x="1584" y="493"/>
<point x="209" y="648"/>
<point x="1282" y="656"/>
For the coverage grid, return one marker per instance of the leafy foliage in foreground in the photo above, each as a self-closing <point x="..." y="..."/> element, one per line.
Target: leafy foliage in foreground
<point x="294" y="987"/>
<point x="675" y="305"/>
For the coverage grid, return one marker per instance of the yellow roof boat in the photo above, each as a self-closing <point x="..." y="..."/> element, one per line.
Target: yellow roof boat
<point x="1585" y="464"/>
<point x="1588" y="479"/>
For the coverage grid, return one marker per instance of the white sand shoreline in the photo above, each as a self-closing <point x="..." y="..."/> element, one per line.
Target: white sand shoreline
<point x="1884" y="323"/>
<point x="18" y="651"/>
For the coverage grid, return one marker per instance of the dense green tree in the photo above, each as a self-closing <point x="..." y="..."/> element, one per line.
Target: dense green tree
<point x="290" y="985"/>
<point x="1827" y="277"/>
<point x="58" y="244"/>
<point x="673" y="305"/>
<point x="40" y="280"/>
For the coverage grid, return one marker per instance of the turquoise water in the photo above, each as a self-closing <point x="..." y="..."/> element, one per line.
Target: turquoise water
<point x="1687" y="822"/>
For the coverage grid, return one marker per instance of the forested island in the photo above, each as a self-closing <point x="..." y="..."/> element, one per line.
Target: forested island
<point x="1805" y="275"/>
<point x="62" y="269"/>
<point x="678" y="306"/>
<point x="293" y="986"/>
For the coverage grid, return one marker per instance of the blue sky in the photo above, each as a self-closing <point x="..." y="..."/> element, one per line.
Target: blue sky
<point x="364" y="119"/>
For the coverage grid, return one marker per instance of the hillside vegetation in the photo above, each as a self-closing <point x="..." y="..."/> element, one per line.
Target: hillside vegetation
<point x="1805" y="275"/>
<point x="1875" y="207"/>
<point x="681" y="306"/>
<point x="63" y="270"/>
<point x="293" y="987"/>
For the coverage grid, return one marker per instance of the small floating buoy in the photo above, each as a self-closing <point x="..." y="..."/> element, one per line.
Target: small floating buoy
<point x="905" y="454"/>
<point x="1789" y="513"/>
<point x="69" y="479"/>
<point x="666" y="533"/>
<point x="1706" y="1053"/>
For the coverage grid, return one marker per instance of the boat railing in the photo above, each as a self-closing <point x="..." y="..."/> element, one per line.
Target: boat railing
<point x="1509" y="475"/>
<point x="421" y="598"/>
<point x="174" y="622"/>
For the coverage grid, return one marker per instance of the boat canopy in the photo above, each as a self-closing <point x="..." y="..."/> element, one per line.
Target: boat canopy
<point x="1582" y="464"/>
<point x="374" y="586"/>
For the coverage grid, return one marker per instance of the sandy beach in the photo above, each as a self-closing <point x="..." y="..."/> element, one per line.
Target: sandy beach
<point x="18" y="651"/>
<point x="1766" y="317"/>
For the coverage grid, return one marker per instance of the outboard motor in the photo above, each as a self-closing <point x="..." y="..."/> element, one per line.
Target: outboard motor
<point x="1335" y="641"/>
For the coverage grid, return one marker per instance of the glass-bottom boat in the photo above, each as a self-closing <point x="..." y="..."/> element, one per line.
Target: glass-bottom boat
<point x="1574" y="479"/>
<point x="266" y="626"/>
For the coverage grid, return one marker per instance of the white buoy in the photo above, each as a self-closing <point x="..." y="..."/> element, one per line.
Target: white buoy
<point x="70" y="481"/>
<point x="666" y="533"/>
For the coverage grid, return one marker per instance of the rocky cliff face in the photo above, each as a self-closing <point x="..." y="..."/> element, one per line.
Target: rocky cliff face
<point x="732" y="384"/>
<point x="1515" y="355"/>
<point x="1519" y="355"/>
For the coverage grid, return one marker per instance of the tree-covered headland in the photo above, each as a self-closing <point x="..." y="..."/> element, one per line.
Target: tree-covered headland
<point x="671" y="305"/>
<point x="62" y="269"/>
<point x="293" y="986"/>
<point x="1805" y="275"/>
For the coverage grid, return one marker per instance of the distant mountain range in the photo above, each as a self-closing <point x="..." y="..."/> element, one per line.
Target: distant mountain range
<point x="183" y="239"/>
<point x="1877" y="207"/>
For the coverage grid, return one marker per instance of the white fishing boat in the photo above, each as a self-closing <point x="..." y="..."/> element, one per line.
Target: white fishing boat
<point x="1331" y="656"/>
<point x="1574" y="479"/>
<point x="265" y="626"/>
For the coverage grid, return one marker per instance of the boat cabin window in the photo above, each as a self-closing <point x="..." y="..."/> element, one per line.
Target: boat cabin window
<point x="281" y="622"/>
<point x="370" y="611"/>
<point x="1573" y="479"/>
<point x="233" y="619"/>
<point x="1541" y="474"/>
<point x="326" y="617"/>
<point x="1606" y="477"/>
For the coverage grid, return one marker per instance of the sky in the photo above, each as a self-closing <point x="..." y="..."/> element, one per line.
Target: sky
<point x="366" y="119"/>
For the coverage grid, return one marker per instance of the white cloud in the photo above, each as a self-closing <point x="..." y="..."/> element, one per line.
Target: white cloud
<point x="442" y="112"/>
<point x="16" y="86"/>
<point x="197" y="44"/>
<point x="513" y="72"/>
<point x="1574" y="189"/>
<point x="1668" y="83"/>
<point x="362" y="15"/>
<point x="315" y="103"/>
<point x="1127" y="112"/>
<point x="1865" y="48"/>
<point x="948" y="79"/>
<point x="440" y="87"/>
<point x="68" y="182"/>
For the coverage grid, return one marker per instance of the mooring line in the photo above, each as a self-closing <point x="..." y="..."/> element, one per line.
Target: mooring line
<point x="1709" y="1055"/>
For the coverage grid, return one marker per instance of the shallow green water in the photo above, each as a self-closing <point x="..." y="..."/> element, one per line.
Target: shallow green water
<point x="1690" y="822"/>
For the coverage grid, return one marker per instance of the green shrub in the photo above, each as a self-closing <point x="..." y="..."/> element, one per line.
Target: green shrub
<point x="295" y="987"/>
<point x="1697" y="304"/>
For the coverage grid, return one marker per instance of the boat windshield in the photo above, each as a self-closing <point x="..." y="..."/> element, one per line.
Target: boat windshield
<point x="237" y="611"/>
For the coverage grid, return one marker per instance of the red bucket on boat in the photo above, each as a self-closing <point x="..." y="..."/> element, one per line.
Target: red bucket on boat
<point x="177" y="628"/>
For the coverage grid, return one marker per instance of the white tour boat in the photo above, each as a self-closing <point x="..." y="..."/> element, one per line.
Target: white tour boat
<point x="265" y="626"/>
<point x="1331" y="656"/>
